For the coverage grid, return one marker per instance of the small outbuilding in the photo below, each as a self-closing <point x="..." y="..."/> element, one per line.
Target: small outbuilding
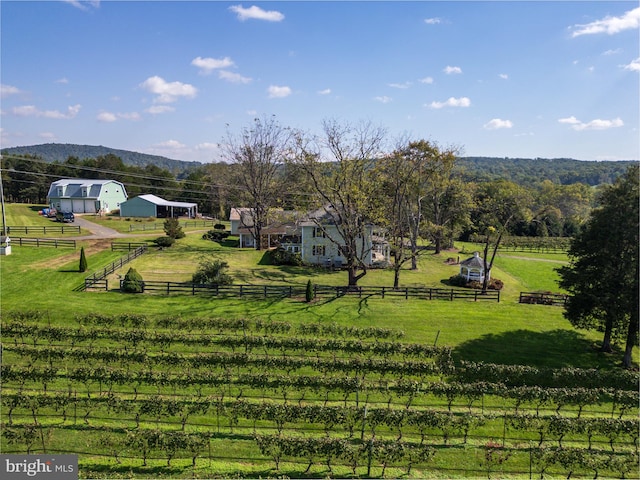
<point x="473" y="268"/>
<point x="5" y="245"/>
<point x="79" y="195"/>
<point x="153" y="206"/>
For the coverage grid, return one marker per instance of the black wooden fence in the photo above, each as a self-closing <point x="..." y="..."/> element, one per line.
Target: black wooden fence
<point x="136" y="227"/>
<point x="42" y="242"/>
<point x="426" y="293"/>
<point x="98" y="278"/>
<point x="44" y="229"/>
<point x="544" y="298"/>
<point x="321" y="291"/>
<point x="126" y="246"/>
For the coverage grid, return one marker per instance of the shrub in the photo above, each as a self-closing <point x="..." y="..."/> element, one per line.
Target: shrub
<point x="83" y="261"/>
<point x="164" y="241"/>
<point x="173" y="229"/>
<point x="308" y="295"/>
<point x="215" y="236"/>
<point x="212" y="271"/>
<point x="219" y="226"/>
<point x="458" y="281"/>
<point x="132" y="282"/>
<point x="280" y="256"/>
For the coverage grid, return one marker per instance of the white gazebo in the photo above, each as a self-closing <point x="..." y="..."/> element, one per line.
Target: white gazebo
<point x="473" y="268"/>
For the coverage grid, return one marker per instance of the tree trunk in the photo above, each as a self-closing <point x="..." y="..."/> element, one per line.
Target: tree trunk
<point x="354" y="276"/>
<point x="438" y="244"/>
<point x="396" y="277"/>
<point x="606" y="339"/>
<point x="632" y="340"/>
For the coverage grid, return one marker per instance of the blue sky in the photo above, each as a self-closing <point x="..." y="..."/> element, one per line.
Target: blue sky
<point x="505" y="79"/>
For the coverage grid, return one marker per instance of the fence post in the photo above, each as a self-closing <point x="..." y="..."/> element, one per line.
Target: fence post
<point x="265" y="291"/>
<point x="475" y="295"/>
<point x="406" y="293"/>
<point x="240" y="291"/>
<point x="452" y="294"/>
<point x="106" y="284"/>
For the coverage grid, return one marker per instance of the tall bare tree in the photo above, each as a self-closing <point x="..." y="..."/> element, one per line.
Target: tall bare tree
<point x="339" y="166"/>
<point x="258" y="153"/>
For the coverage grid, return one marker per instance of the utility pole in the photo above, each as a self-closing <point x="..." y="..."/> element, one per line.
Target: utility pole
<point x="4" y="218"/>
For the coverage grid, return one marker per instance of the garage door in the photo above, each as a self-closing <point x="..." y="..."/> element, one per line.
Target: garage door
<point x="78" y="206"/>
<point x="66" y="206"/>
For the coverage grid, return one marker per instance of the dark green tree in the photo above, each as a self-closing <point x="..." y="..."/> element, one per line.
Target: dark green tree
<point x="308" y="295"/>
<point x="173" y="229"/>
<point x="83" y="261"/>
<point x="603" y="273"/>
<point x="133" y="282"/>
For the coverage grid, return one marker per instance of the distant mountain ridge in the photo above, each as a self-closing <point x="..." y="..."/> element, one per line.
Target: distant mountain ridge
<point x="519" y="170"/>
<point x="60" y="152"/>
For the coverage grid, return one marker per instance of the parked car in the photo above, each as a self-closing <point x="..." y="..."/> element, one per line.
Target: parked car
<point x="65" y="217"/>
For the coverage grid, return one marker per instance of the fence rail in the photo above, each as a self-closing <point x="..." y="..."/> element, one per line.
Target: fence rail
<point x="426" y="293"/>
<point x="126" y="246"/>
<point x="98" y="279"/>
<point x="282" y="291"/>
<point x="544" y="298"/>
<point x="44" y="229"/>
<point x="160" y="225"/>
<point x="43" y="242"/>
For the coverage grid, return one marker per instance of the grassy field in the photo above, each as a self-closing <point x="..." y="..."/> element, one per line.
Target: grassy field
<point x="45" y="280"/>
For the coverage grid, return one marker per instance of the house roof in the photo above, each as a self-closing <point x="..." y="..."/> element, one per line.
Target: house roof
<point x="74" y="187"/>
<point x="165" y="203"/>
<point x="475" y="261"/>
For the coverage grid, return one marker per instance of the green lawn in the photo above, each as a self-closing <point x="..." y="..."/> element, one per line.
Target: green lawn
<point x="505" y="332"/>
<point x="46" y="280"/>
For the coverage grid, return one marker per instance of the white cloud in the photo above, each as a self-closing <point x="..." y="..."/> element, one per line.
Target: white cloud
<point x="171" y="144"/>
<point x="256" y="13"/>
<point x="112" y="117"/>
<point x="276" y="91"/>
<point x="634" y="66"/>
<point x="168" y="92"/>
<point x="63" y="81"/>
<point x="503" y="76"/>
<point x="207" y="65"/>
<point x="597" y="124"/>
<point x="47" y="136"/>
<point x="612" y="52"/>
<point x="83" y="4"/>
<point x="207" y="146"/>
<point x="106" y="117"/>
<point x="449" y="70"/>
<point x="158" y="109"/>
<point x="428" y="80"/>
<point x="432" y="21"/>
<point x="452" y="102"/>
<point x="402" y="86"/>
<point x="326" y="91"/>
<point x="233" y="77"/>
<point x="32" y="111"/>
<point x="383" y="99"/>
<point x="610" y="25"/>
<point x="7" y="90"/>
<point x="497" y="123"/>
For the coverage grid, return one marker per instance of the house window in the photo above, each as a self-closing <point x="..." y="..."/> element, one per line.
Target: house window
<point x="319" y="250"/>
<point x="60" y="191"/>
<point x="85" y="191"/>
<point x="318" y="232"/>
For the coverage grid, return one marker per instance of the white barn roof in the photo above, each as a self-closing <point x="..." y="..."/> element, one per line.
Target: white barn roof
<point x="165" y="203"/>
